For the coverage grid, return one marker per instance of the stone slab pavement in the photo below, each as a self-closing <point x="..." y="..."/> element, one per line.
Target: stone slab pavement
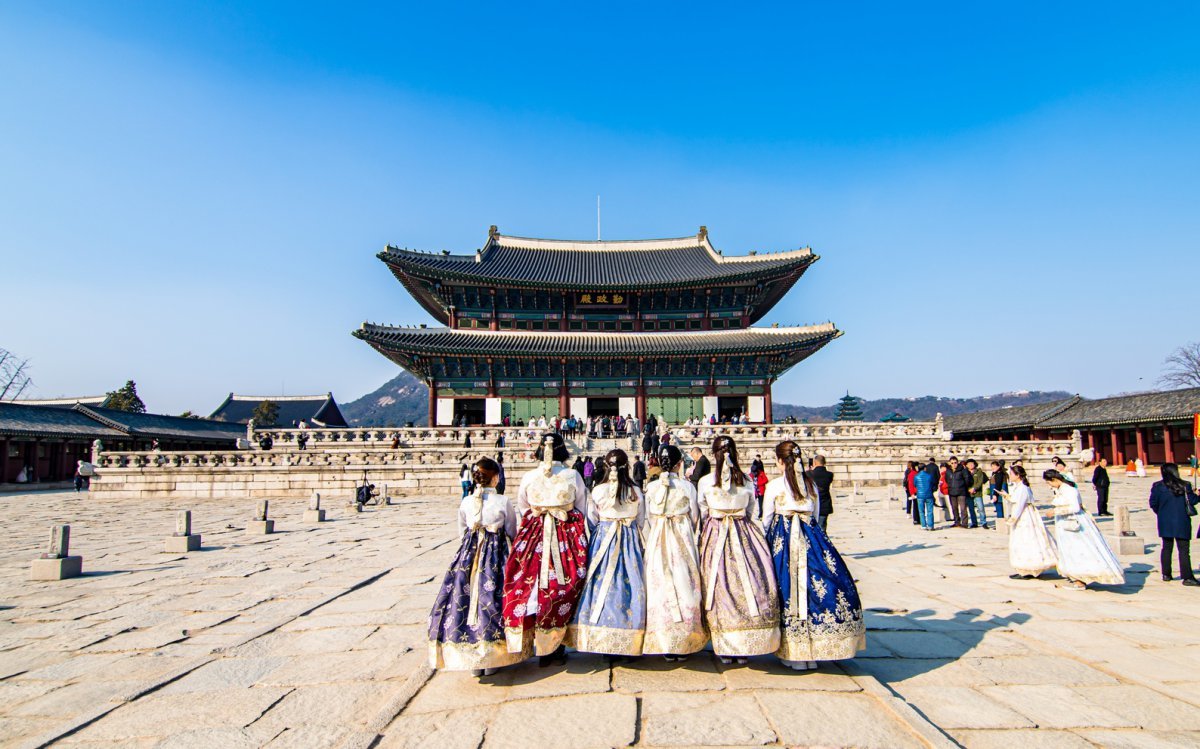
<point x="314" y="637"/>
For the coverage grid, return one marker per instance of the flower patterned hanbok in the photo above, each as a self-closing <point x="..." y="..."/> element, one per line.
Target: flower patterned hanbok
<point x="548" y="562"/>
<point x="1031" y="549"/>
<point x="674" y="622"/>
<point x="741" y="600"/>
<point x="611" y="616"/>
<point x="466" y="626"/>
<point x="821" y="614"/>
<point x="1083" y="554"/>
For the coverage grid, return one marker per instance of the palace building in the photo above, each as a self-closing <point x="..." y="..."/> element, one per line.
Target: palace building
<point x="535" y="327"/>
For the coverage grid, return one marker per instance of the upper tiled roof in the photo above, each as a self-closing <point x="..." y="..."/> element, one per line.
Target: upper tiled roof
<point x="161" y="426"/>
<point x="565" y="264"/>
<point x="20" y="420"/>
<point x="67" y="402"/>
<point x="318" y="410"/>
<point x="443" y="341"/>
<point x="1142" y="408"/>
<point x="1001" y="419"/>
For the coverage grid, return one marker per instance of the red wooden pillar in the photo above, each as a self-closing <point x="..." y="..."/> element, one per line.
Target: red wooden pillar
<point x="1091" y="440"/>
<point x="562" y="318"/>
<point x="65" y="470"/>
<point x="564" y="393"/>
<point x="641" y="397"/>
<point x="1116" y="456"/>
<point x="432" y="402"/>
<point x="1168" y="448"/>
<point x="767" y="403"/>
<point x="1141" y="443"/>
<point x="3" y="461"/>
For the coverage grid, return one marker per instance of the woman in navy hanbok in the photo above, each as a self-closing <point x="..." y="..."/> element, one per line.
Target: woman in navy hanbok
<point x="466" y="626"/>
<point x="821" y="615"/>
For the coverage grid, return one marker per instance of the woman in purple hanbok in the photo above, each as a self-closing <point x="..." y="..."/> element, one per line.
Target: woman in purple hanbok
<point x="466" y="626"/>
<point x="741" y="598"/>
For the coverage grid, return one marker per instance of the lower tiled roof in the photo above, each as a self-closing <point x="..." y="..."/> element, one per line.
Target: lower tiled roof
<point x="1142" y="408"/>
<point x="21" y="421"/>
<point x="1001" y="419"/>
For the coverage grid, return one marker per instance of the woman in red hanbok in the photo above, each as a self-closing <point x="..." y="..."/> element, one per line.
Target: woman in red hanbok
<point x="548" y="564"/>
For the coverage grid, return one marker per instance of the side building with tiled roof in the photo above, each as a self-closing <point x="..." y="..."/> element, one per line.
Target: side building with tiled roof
<point x="539" y="327"/>
<point x="1156" y="427"/>
<point x="314" y="410"/>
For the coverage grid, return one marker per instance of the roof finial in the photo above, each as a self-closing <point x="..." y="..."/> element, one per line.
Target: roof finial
<point x="703" y="233"/>
<point x="493" y="232"/>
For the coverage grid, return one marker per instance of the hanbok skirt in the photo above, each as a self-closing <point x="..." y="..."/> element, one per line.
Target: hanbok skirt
<point x="674" y="623"/>
<point x="537" y="611"/>
<point x="741" y="600"/>
<point x="455" y="642"/>
<point x="1031" y="550"/>
<point x="611" y="616"/>
<point x="1083" y="554"/>
<point x="821" y="615"/>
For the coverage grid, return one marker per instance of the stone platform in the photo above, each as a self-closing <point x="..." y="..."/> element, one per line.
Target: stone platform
<point x="314" y="637"/>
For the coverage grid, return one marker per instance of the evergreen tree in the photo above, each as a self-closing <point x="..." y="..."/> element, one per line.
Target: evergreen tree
<point x="125" y="399"/>
<point x="849" y="409"/>
<point x="266" y="413"/>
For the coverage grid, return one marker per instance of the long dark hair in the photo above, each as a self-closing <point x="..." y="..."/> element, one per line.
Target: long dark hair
<point x="1052" y="474"/>
<point x="1019" y="472"/>
<point x="616" y="462"/>
<point x="1170" y="477"/>
<point x="788" y="452"/>
<point x="723" y="449"/>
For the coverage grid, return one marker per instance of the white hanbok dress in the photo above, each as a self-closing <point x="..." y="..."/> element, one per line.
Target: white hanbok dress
<point x="1083" y="554"/>
<point x="674" y="621"/>
<point x="1031" y="550"/>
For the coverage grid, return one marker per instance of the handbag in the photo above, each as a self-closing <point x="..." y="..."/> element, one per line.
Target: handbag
<point x="1069" y="523"/>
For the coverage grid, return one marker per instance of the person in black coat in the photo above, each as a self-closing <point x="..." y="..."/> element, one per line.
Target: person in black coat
<point x="700" y="466"/>
<point x="649" y="443"/>
<point x="958" y="481"/>
<point x="822" y="478"/>
<point x="1101" y="482"/>
<point x="1174" y="502"/>
<point x="638" y="472"/>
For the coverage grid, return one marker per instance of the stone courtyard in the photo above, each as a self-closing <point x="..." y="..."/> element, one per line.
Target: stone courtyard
<point x="314" y="637"/>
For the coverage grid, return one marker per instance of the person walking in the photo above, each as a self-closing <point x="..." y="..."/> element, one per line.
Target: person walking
<point x="822" y="479"/>
<point x="1174" y="502"/>
<point x="1101" y="482"/>
<point x="979" y="480"/>
<point x="589" y="472"/>
<point x="1083" y="554"/>
<point x="465" y="478"/>
<point x="958" y="487"/>
<point x="1031" y="550"/>
<point x="924" y="482"/>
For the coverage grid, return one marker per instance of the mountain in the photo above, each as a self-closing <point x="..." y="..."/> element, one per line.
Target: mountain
<point x="404" y="398"/>
<point x="398" y="401"/>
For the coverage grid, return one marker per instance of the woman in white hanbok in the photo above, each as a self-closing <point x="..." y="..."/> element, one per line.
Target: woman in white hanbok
<point x="1031" y="550"/>
<point x="674" y="622"/>
<point x="1083" y="554"/>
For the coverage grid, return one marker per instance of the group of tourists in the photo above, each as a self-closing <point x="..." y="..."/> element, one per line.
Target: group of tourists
<point x="573" y="426"/>
<point x="624" y="572"/>
<point x="961" y="491"/>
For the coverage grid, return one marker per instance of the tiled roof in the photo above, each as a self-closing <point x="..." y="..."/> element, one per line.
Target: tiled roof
<point x="1001" y="419"/>
<point x="629" y="265"/>
<point x="441" y="341"/>
<point x="24" y="421"/>
<point x="160" y="426"/>
<point x="87" y="400"/>
<point x="319" y="410"/>
<point x="1142" y="408"/>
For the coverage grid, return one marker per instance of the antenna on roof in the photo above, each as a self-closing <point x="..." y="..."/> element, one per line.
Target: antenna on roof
<point x="597" y="218"/>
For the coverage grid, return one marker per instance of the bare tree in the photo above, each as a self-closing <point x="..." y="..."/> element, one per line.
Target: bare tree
<point x="1182" y="368"/>
<point x="14" y="375"/>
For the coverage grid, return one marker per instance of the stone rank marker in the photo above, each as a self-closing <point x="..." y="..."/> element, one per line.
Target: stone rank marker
<point x="1125" y="542"/>
<point x="183" y="540"/>
<point x="57" y="563"/>
<point x="261" y="525"/>
<point x="314" y="513"/>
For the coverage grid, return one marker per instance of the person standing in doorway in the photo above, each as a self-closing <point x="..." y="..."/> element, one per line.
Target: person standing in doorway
<point x="1101" y="482"/>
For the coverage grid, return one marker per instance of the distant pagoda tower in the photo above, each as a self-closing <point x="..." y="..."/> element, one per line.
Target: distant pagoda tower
<point x="537" y="327"/>
<point x="849" y="409"/>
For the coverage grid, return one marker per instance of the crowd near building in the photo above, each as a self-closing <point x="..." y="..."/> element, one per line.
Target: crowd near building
<point x="538" y="327"/>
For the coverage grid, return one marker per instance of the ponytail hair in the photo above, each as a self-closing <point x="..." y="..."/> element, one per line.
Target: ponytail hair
<point x="616" y="469"/>
<point x="1052" y="475"/>
<point x="788" y="453"/>
<point x="1019" y="472"/>
<point x="484" y="472"/>
<point x="723" y="449"/>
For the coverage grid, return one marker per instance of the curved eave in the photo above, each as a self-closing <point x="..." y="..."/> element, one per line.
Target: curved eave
<point x="408" y="268"/>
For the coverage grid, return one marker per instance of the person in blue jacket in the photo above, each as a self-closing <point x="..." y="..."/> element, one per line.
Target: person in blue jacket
<point x="924" y="482"/>
<point x="1173" y="500"/>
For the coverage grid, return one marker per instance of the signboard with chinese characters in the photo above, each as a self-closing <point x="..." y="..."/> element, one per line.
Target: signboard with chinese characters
<point x="602" y="299"/>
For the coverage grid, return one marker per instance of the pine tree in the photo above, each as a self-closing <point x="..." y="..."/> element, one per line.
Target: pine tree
<point x="849" y="409"/>
<point x="266" y="413"/>
<point x="125" y="399"/>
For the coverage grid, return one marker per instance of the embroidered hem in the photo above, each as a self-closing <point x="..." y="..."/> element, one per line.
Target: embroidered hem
<point x="674" y="643"/>
<point x="745" y="642"/>
<point x="605" y="640"/>
<point x="534" y="641"/>
<point x="468" y="656"/>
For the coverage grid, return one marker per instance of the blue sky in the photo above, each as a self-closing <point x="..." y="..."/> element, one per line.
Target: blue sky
<point x="1004" y="195"/>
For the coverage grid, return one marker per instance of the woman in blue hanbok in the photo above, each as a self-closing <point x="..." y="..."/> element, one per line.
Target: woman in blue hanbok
<point x="466" y="626"/>
<point x="821" y="615"/>
<point x="611" y="617"/>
